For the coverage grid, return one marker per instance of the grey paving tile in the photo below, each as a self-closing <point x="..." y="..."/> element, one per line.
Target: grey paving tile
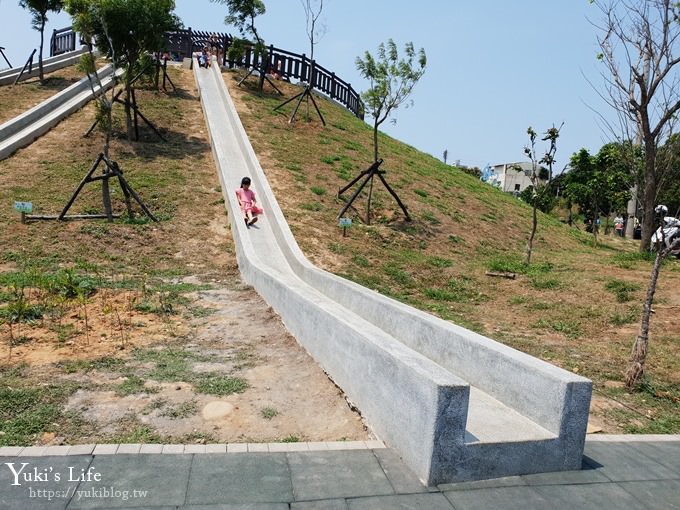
<point x="81" y="449"/>
<point x="33" y="451"/>
<point x="216" y="448"/>
<point x="403" y="480"/>
<point x="135" y="480"/>
<point x="151" y="448"/>
<point x="10" y="451"/>
<point x="143" y="508"/>
<point x="51" y="490"/>
<point x="665" y="453"/>
<point x="493" y="483"/>
<point x="242" y="478"/>
<point x="588" y="474"/>
<point x="621" y="463"/>
<point x="431" y="501"/>
<point x="105" y="449"/>
<point x="655" y="494"/>
<point x="507" y="498"/>
<point x="337" y="474"/>
<point x="244" y="506"/>
<point x="322" y="504"/>
<point x="598" y="496"/>
<point x="57" y="450"/>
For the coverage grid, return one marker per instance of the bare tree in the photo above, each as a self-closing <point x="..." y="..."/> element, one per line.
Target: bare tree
<point x="636" y="369"/>
<point x="315" y="30"/>
<point x="638" y="49"/>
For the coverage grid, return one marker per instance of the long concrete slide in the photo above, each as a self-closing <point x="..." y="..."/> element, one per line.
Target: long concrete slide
<point x="51" y="64"/>
<point x="27" y="127"/>
<point x="455" y="405"/>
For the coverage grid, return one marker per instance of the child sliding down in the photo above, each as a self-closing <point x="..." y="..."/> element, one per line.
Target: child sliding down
<point x="246" y="199"/>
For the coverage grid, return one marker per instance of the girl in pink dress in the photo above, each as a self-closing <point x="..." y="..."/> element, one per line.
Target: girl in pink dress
<point x="246" y="199"/>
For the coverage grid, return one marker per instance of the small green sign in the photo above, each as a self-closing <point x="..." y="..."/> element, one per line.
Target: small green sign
<point x="24" y="207"/>
<point x="345" y="222"/>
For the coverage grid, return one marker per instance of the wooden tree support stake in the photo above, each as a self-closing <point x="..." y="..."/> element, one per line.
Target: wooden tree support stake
<point x="509" y="276"/>
<point x="369" y="174"/>
<point x="111" y="170"/>
<point x="305" y="93"/>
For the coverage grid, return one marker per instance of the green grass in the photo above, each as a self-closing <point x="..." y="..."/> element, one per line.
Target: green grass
<point x="108" y="363"/>
<point x="626" y="317"/>
<point x="543" y="283"/>
<point x="361" y="261"/>
<point x="569" y="328"/>
<point x="170" y="365"/>
<point x="312" y="206"/>
<point x="622" y="289"/>
<point x="181" y="411"/>
<point x="26" y="412"/>
<point x="137" y="434"/>
<point x="629" y="260"/>
<point x="514" y="264"/>
<point x="220" y="385"/>
<point x="132" y="385"/>
<point x="268" y="413"/>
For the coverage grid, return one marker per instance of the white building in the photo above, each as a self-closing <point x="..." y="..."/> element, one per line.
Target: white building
<point x="508" y="176"/>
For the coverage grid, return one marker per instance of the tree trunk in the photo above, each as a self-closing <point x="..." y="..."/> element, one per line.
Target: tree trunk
<point x="128" y="110"/>
<point x="530" y="242"/>
<point x="649" y="197"/>
<point x="40" y="53"/>
<point x="636" y="369"/>
<point x="375" y="142"/>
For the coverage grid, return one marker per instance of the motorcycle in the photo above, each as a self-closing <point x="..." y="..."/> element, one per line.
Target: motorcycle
<point x="668" y="233"/>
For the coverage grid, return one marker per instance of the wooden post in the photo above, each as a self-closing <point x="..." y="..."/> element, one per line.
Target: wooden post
<point x="106" y="199"/>
<point x="53" y="43"/>
<point x="134" y="108"/>
<point x="85" y="180"/>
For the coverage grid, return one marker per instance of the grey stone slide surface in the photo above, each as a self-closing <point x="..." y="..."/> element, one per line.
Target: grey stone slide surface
<point x="455" y="405"/>
<point x="9" y="76"/>
<point x="27" y="127"/>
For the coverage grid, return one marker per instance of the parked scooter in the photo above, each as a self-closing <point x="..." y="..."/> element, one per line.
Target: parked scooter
<point x="668" y="233"/>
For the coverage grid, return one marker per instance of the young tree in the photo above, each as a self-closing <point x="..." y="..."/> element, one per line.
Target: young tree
<point x="39" y="10"/>
<point x="539" y="186"/>
<point x="639" y="50"/>
<point x="84" y="15"/>
<point x="313" y="9"/>
<point x="392" y="80"/>
<point x="242" y="14"/>
<point x="124" y="30"/>
<point x="636" y="369"/>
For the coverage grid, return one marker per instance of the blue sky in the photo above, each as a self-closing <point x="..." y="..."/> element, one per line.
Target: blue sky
<point x="494" y="67"/>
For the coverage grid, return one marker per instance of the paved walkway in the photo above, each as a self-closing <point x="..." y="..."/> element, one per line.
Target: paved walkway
<point x="618" y="473"/>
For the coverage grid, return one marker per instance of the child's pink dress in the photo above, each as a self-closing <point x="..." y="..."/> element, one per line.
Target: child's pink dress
<point x="246" y="196"/>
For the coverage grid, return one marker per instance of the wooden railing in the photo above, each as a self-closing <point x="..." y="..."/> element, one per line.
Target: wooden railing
<point x="62" y="41"/>
<point x="289" y="65"/>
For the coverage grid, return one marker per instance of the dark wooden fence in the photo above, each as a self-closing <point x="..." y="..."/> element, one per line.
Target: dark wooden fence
<point x="183" y="43"/>
<point x="62" y="41"/>
<point x="289" y="65"/>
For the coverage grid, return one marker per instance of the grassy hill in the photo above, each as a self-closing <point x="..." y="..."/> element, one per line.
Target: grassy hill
<point x="577" y="306"/>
